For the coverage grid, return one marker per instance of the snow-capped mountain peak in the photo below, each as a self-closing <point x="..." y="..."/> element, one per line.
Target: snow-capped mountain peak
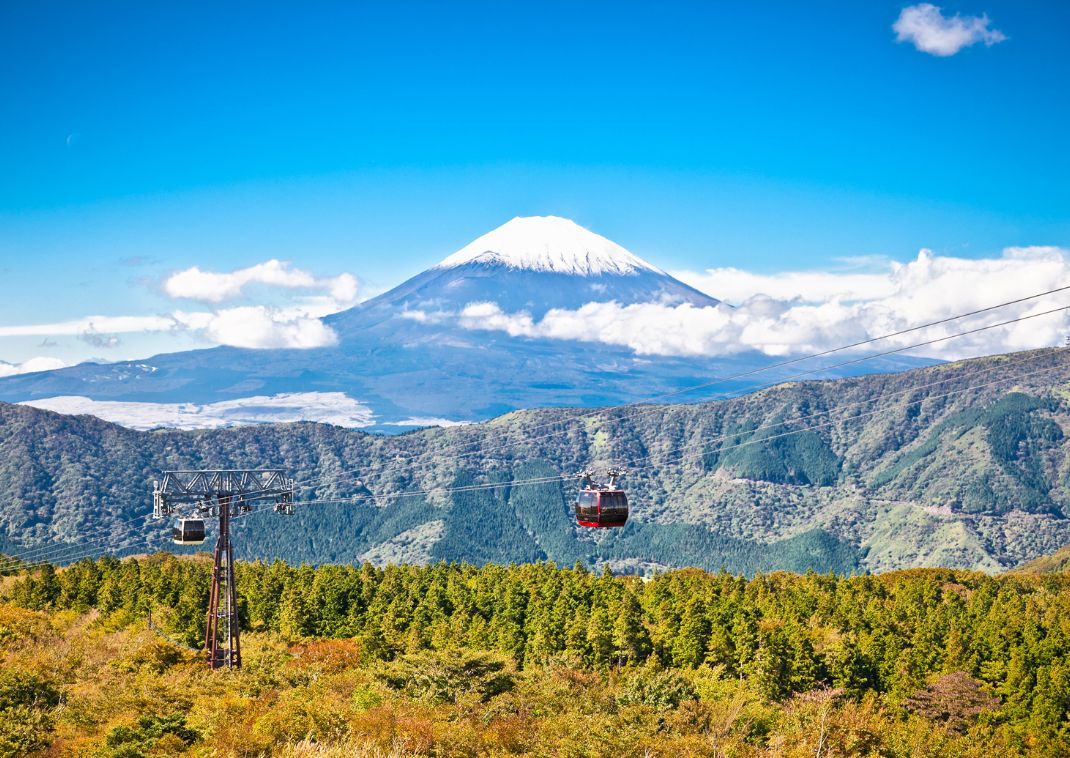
<point x="549" y="243"/>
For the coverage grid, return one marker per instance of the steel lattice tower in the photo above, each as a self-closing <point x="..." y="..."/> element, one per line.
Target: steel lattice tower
<point x="223" y="494"/>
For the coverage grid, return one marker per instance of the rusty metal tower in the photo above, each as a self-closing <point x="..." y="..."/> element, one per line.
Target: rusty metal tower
<point x="222" y="494"/>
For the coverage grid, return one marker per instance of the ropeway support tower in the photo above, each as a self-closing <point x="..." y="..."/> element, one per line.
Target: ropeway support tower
<point x="222" y="494"/>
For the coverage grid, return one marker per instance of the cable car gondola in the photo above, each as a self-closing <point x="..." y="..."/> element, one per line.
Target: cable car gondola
<point x="188" y="531"/>
<point x="601" y="506"/>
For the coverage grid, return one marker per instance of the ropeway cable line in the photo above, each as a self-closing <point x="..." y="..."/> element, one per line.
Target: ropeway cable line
<point x="559" y="478"/>
<point x="15" y="558"/>
<point x="761" y="369"/>
<point x="854" y="361"/>
<point x="704" y="446"/>
<point x="862" y="359"/>
<point x="33" y="552"/>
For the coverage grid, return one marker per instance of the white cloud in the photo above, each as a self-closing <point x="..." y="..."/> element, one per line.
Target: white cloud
<point x="216" y="287"/>
<point x="252" y="326"/>
<point x="106" y="324"/>
<point x="490" y="317"/>
<point x="343" y="289"/>
<point x="257" y="326"/>
<point x="296" y="325"/>
<point x="427" y="421"/>
<point x="40" y="363"/>
<point x="799" y="312"/>
<point x="932" y="32"/>
<point x="426" y="317"/>
<point x="325" y="407"/>
<point x="735" y="285"/>
<point x="261" y="326"/>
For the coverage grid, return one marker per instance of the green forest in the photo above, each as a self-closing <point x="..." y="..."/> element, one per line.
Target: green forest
<point x="454" y="659"/>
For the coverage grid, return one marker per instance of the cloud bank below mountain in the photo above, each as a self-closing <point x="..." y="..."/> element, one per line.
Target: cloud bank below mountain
<point x="324" y="407"/>
<point x="800" y="312"/>
<point x="43" y="363"/>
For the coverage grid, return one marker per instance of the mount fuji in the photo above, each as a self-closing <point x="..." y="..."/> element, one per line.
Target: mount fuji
<point x="428" y="352"/>
<point x="533" y="265"/>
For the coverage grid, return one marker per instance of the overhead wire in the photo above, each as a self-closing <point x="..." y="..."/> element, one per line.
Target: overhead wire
<point x="56" y="549"/>
<point x="704" y="446"/>
<point x="854" y="361"/>
<point x="14" y="559"/>
<point x="770" y="367"/>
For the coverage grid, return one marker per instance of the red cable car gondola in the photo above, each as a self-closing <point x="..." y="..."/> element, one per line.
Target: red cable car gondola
<point x="601" y="506"/>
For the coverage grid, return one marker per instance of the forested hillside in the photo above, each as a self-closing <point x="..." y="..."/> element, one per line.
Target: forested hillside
<point x="536" y="660"/>
<point x="1057" y="562"/>
<point x="964" y="465"/>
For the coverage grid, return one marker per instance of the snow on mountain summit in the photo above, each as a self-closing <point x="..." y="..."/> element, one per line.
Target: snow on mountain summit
<point x="549" y="243"/>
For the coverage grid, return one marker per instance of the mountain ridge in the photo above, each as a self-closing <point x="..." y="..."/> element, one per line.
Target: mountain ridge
<point x="965" y="465"/>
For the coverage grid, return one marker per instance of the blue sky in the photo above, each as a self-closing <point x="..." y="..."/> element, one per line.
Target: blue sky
<point x="138" y="139"/>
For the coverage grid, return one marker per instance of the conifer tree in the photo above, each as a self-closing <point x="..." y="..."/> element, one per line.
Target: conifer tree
<point x="600" y="638"/>
<point x="629" y="635"/>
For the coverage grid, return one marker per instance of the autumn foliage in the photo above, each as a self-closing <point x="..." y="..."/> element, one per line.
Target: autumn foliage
<point x="535" y="660"/>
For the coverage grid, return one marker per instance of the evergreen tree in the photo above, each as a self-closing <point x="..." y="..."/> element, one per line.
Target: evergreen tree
<point x="689" y="647"/>
<point x="600" y="638"/>
<point x="629" y="635"/>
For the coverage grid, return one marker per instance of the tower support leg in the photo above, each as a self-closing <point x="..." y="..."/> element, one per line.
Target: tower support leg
<point x="222" y="641"/>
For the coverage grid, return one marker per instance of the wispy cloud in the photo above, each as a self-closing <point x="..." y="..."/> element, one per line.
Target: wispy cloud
<point x="217" y="287"/>
<point x="427" y="421"/>
<point x="76" y="327"/>
<point x="257" y="326"/>
<point x="251" y="325"/>
<point x="40" y="363"/>
<point x="325" y="407"/>
<point x="95" y="338"/>
<point x="799" y="312"/>
<point x="930" y="31"/>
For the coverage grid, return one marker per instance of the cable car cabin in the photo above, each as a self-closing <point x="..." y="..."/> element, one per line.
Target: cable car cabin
<point x="601" y="508"/>
<point x="188" y="531"/>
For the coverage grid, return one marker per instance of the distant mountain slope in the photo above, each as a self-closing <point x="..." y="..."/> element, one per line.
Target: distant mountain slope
<point x="411" y="357"/>
<point x="1054" y="563"/>
<point x="935" y="466"/>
